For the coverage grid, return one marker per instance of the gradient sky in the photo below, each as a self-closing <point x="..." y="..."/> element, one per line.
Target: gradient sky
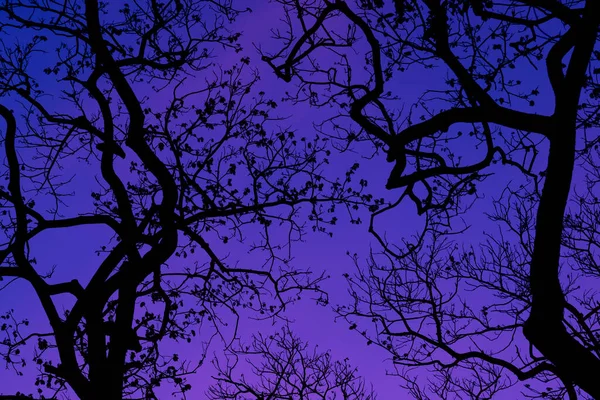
<point x="312" y="323"/>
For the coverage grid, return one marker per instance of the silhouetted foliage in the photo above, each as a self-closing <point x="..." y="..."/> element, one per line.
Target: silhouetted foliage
<point x="509" y="86"/>
<point x="282" y="368"/>
<point x="117" y="116"/>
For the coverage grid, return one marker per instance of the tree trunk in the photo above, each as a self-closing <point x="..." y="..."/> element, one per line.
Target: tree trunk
<point x="544" y="328"/>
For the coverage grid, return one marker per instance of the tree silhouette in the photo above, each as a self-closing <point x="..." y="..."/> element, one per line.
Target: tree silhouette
<point x="518" y="89"/>
<point x="118" y="115"/>
<point x="286" y="370"/>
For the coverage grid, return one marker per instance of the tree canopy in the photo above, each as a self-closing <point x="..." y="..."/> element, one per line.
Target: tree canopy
<point x="119" y="118"/>
<point x="511" y="86"/>
<point x="142" y="127"/>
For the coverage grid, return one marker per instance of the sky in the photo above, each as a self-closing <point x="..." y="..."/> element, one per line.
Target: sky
<point x="312" y="323"/>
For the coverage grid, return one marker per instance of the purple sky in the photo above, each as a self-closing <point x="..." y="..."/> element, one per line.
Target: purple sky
<point x="312" y="323"/>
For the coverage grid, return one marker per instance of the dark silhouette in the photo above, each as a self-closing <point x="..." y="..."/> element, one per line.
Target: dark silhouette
<point x="179" y="153"/>
<point x="283" y="368"/>
<point x="458" y="312"/>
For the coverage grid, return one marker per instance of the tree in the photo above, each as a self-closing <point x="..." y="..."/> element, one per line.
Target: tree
<point x="518" y="89"/>
<point x="286" y="371"/>
<point x="117" y="116"/>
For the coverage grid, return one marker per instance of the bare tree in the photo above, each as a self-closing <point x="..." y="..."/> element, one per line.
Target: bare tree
<point x="518" y="89"/>
<point x="117" y="115"/>
<point x="286" y="370"/>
